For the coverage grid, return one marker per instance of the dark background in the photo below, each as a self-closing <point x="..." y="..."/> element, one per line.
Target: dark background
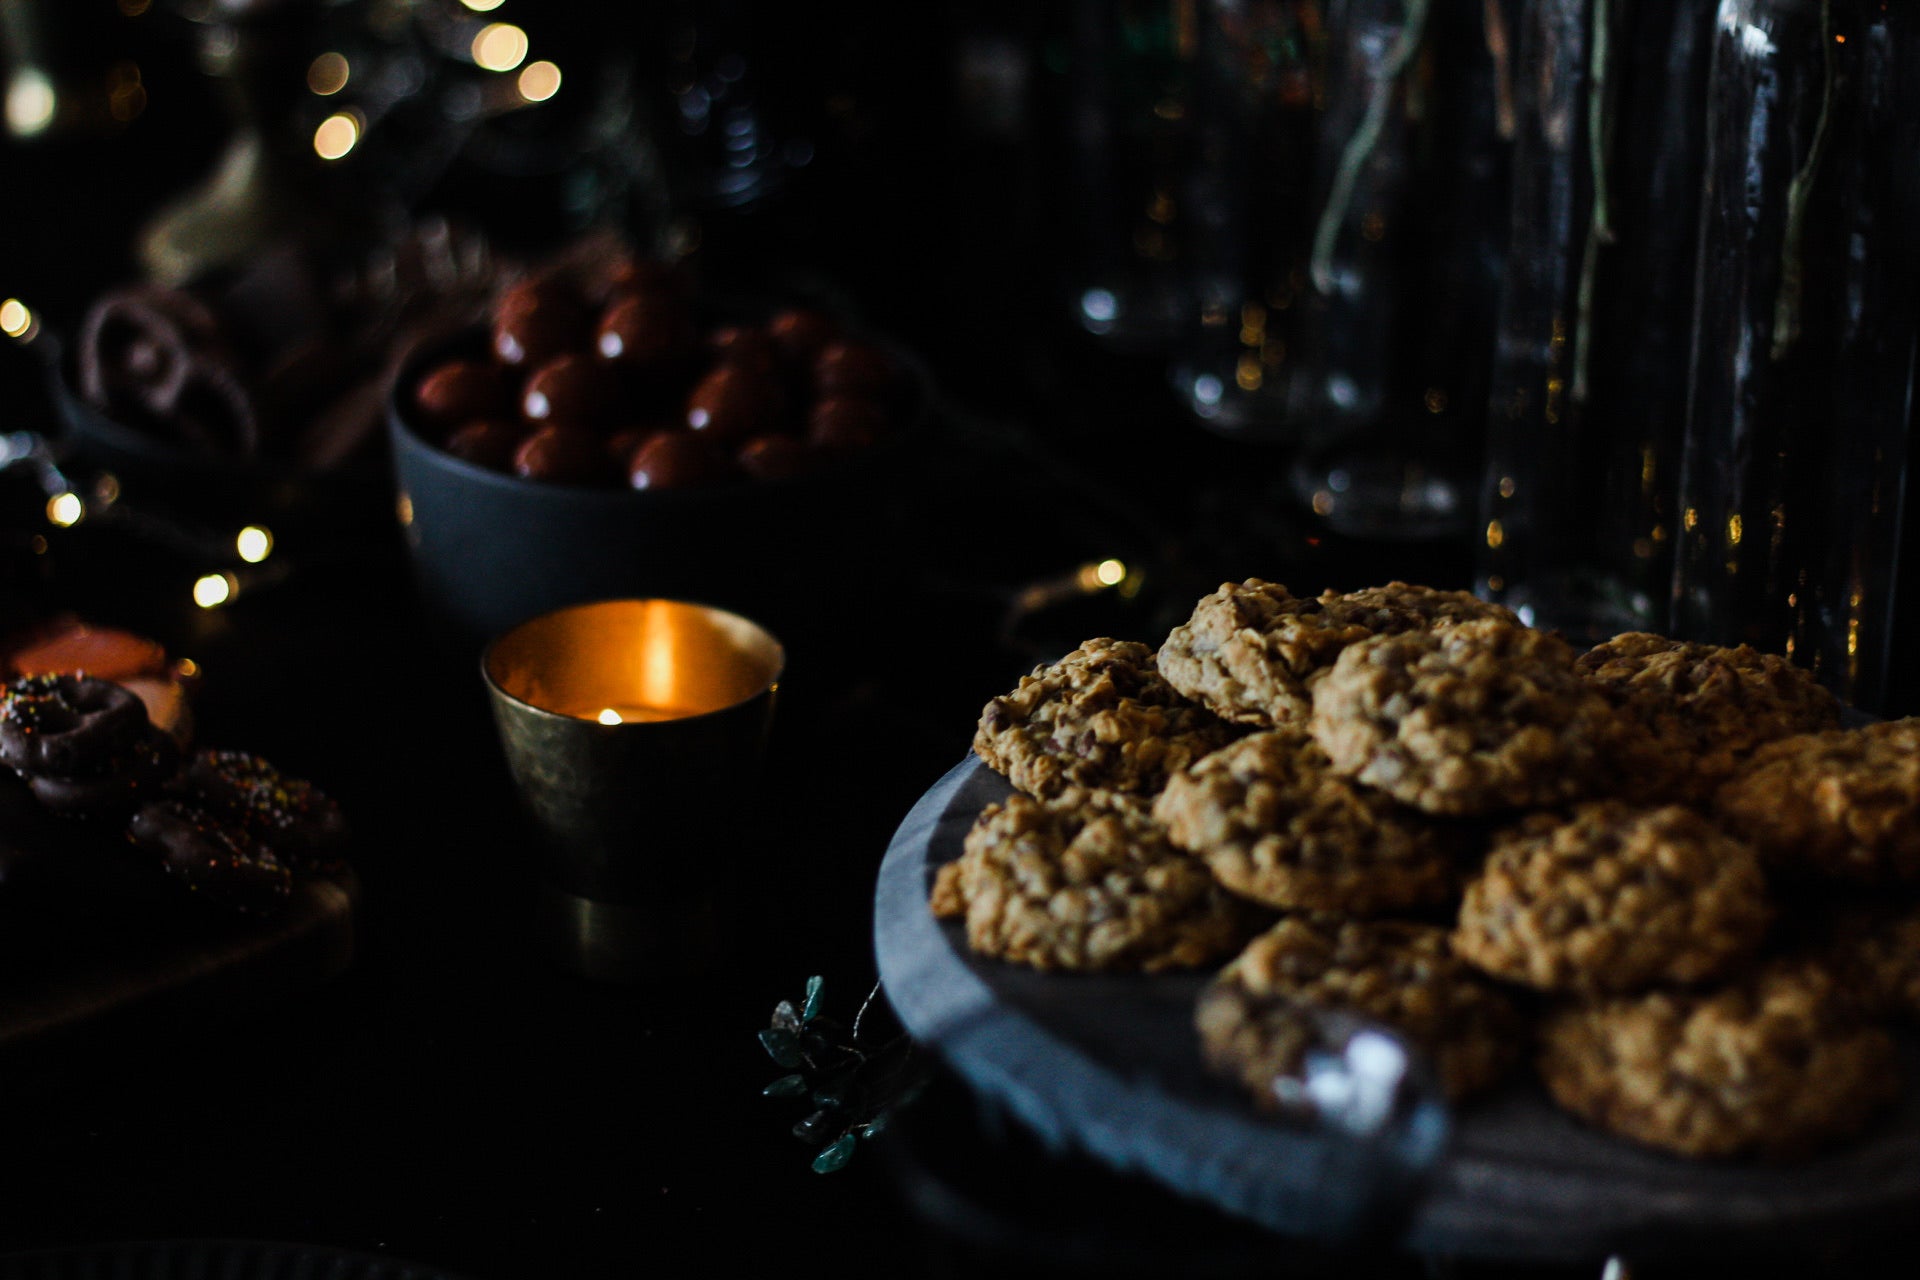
<point x="451" y="1100"/>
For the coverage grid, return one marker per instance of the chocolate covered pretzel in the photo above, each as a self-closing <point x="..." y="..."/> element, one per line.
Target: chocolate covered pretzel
<point x="212" y="857"/>
<point x="292" y="817"/>
<point x="67" y="725"/>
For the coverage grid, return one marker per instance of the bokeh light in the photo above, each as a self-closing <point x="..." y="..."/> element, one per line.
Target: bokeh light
<point x="30" y="103"/>
<point x="65" y="509"/>
<point x="539" y="81"/>
<point x="214" y="590"/>
<point x="336" y="136"/>
<point x="499" y="46"/>
<point x="254" y="544"/>
<point x="328" y="73"/>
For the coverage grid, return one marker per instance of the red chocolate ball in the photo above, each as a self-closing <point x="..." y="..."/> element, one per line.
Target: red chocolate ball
<point x="676" y="460"/>
<point x="844" y="423"/>
<point x="853" y="369"/>
<point x="800" y="335"/>
<point x="489" y="443"/>
<point x="644" y="275"/>
<point x="621" y="444"/>
<point x="460" y="391"/>
<point x="733" y="403"/>
<point x="536" y="293"/>
<point x="563" y="455"/>
<point x="743" y="345"/>
<point x="573" y="391"/>
<point x="531" y="336"/>
<point x="644" y="330"/>
<point x="776" y="457"/>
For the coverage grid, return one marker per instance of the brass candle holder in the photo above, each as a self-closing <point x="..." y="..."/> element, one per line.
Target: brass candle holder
<point x="634" y="732"/>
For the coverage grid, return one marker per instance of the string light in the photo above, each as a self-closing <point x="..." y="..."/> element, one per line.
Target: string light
<point x="483" y="6"/>
<point x="215" y="589"/>
<point x="15" y="320"/>
<point x="336" y="136"/>
<point x="126" y="95"/>
<point x="65" y="509"/>
<point x="499" y="46"/>
<point x="327" y="74"/>
<point x="610" y="716"/>
<point x="253" y="544"/>
<point x="539" y="81"/>
<point x="30" y="103"/>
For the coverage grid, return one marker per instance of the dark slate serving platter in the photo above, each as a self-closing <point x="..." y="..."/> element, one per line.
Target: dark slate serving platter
<point x="1109" y="1064"/>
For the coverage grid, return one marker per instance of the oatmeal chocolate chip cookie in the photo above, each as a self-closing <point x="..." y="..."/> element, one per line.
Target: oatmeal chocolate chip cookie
<point x="1401" y="606"/>
<point x="1700" y="709"/>
<point x="1845" y="803"/>
<point x="1096" y="887"/>
<point x="1278" y="826"/>
<point x="1773" y="1065"/>
<point x="1874" y="948"/>
<point x="1256" y="1019"/>
<point x="1100" y="718"/>
<point x="1613" y="898"/>
<point x="1249" y="649"/>
<point x="1252" y="650"/>
<point x="1480" y="716"/>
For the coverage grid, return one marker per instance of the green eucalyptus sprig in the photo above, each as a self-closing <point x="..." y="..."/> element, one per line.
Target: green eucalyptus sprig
<point x="853" y="1083"/>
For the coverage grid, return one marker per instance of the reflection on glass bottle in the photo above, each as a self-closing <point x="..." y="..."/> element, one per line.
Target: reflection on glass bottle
<point x="1588" y="394"/>
<point x="1259" y="92"/>
<point x="1130" y="147"/>
<point x="1804" y="343"/>
<point x="1410" y="205"/>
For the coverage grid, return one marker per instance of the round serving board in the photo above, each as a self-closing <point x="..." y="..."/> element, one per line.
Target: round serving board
<point x="1110" y="1064"/>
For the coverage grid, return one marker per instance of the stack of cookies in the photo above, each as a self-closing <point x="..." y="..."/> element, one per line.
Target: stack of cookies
<point x="1647" y="868"/>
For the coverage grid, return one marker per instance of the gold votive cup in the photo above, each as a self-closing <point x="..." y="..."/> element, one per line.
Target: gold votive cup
<point x="634" y="732"/>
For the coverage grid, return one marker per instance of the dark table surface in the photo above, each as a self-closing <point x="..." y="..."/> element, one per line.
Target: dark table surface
<point x="453" y="1101"/>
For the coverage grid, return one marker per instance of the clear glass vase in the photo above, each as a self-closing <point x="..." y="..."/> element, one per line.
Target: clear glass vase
<point x="1260" y="91"/>
<point x="1805" y="338"/>
<point x="1128" y="147"/>
<point x="1405" y="258"/>
<point x="1587" y="404"/>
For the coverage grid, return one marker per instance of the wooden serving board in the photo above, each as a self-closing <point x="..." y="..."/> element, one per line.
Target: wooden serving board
<point x="95" y="943"/>
<point x="1109" y="1064"/>
<point x="186" y="968"/>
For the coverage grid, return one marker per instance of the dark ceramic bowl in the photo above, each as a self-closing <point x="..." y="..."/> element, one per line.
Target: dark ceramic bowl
<point x="491" y="550"/>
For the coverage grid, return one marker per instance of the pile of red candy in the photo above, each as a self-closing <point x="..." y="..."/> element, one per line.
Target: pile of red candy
<point x="618" y="382"/>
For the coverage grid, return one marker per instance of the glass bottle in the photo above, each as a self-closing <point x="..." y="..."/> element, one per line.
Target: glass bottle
<point x="1587" y="403"/>
<point x="1407" y="260"/>
<point x="1804" y="341"/>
